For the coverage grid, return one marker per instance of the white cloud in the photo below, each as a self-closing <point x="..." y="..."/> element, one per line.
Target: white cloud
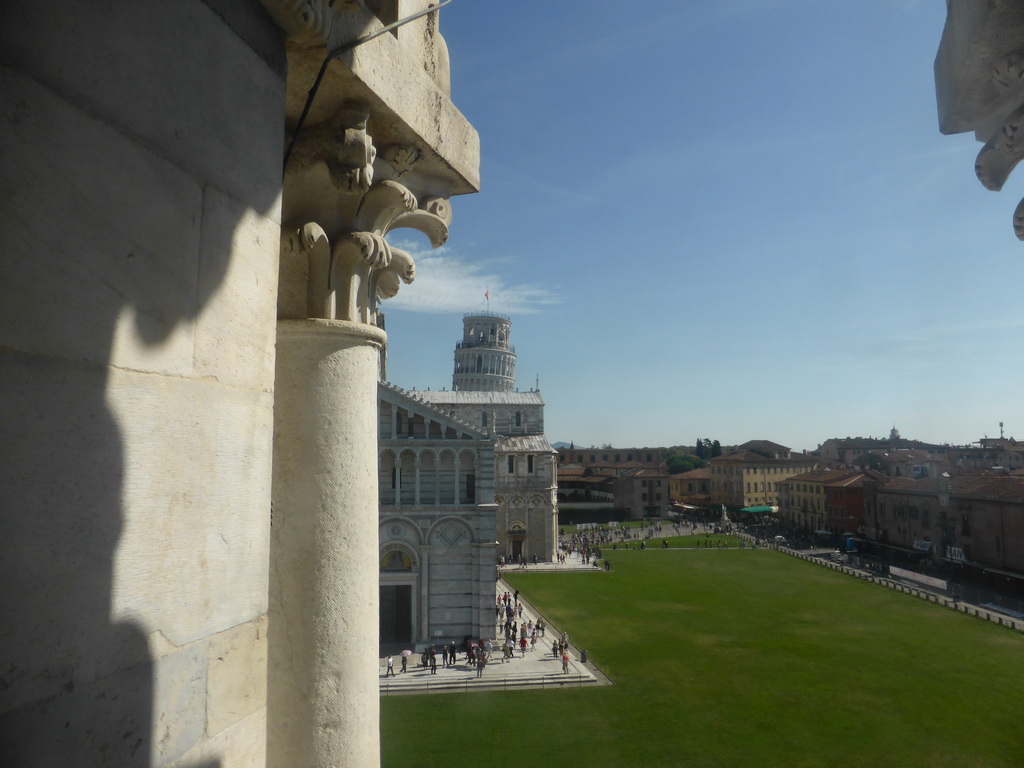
<point x="448" y="281"/>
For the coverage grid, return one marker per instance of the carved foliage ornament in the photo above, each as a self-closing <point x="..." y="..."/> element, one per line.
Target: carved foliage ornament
<point x="349" y="276"/>
<point x="1005" y="149"/>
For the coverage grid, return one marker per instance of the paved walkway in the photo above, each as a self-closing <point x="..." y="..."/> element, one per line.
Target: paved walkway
<point x="538" y="668"/>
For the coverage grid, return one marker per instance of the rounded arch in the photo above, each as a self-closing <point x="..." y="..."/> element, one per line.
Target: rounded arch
<point x="399" y="528"/>
<point x="398" y="556"/>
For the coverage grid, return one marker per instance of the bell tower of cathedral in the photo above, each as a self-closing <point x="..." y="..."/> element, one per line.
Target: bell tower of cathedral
<point x="484" y="360"/>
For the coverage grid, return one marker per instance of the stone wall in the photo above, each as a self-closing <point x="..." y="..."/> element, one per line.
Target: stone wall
<point x="140" y="177"/>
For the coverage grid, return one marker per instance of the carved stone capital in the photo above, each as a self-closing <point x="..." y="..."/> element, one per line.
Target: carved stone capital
<point x="335" y="261"/>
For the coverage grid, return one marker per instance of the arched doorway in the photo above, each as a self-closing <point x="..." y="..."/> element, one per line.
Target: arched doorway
<point x="516" y="539"/>
<point x="396" y="597"/>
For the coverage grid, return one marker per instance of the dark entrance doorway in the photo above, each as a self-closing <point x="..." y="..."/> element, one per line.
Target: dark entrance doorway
<point x="396" y="614"/>
<point x="517" y="548"/>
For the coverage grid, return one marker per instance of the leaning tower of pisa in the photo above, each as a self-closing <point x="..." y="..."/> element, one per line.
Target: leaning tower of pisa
<point x="484" y="360"/>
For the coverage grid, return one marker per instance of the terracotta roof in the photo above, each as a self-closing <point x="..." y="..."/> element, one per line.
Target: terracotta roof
<point x="643" y="472"/>
<point x="749" y="457"/>
<point x="701" y="473"/>
<point x="764" y="444"/>
<point x="991" y="486"/>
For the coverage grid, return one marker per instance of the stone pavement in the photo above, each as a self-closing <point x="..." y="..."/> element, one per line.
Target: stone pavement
<point x="537" y="669"/>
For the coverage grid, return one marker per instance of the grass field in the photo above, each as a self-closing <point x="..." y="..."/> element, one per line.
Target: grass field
<point x="737" y="658"/>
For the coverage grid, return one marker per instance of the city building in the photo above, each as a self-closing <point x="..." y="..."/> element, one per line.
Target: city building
<point x="437" y="518"/>
<point x="628" y="458"/>
<point x="749" y="478"/>
<point x="692" y="489"/>
<point x="825" y="500"/>
<point x="190" y="344"/>
<point x="969" y="525"/>
<point x="641" y="493"/>
<point x="526" y="472"/>
<point x="988" y="453"/>
<point x="849" y="450"/>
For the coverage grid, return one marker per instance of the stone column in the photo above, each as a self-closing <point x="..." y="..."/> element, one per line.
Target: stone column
<point x="324" y="580"/>
<point x="425" y="593"/>
<point x="417" y="499"/>
<point x="342" y="195"/>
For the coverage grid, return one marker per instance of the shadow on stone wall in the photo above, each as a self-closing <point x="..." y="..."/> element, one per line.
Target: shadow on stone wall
<point x="93" y="219"/>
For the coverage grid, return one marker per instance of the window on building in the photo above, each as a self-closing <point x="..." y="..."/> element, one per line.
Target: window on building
<point x="529" y="463"/>
<point x="511" y="464"/>
<point x="519" y="418"/>
<point x="483" y="418"/>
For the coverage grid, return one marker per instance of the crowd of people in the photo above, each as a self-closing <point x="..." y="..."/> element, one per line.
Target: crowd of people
<point x="522" y="633"/>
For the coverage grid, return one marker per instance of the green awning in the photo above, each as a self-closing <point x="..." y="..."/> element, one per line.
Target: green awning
<point x="755" y="510"/>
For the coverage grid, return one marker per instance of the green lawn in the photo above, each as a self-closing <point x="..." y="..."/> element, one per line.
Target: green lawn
<point x="737" y="658"/>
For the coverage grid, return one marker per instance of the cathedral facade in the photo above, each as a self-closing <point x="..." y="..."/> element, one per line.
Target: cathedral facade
<point x="525" y="464"/>
<point x="437" y="536"/>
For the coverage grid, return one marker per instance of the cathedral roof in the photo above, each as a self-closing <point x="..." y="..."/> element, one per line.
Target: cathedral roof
<point x="414" y="403"/>
<point x="468" y="397"/>
<point x="524" y="444"/>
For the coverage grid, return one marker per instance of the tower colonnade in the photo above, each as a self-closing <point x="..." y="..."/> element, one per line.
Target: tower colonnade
<point x="484" y="359"/>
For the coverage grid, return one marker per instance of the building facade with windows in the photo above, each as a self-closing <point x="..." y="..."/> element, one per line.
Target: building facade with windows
<point x="642" y="493"/>
<point x="968" y="524"/>
<point x="825" y="499"/>
<point x="525" y="467"/>
<point x="437" y="524"/>
<point x="610" y="457"/>
<point x="745" y="478"/>
<point x="691" y="488"/>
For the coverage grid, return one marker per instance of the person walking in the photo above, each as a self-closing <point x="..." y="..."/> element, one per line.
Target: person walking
<point x="433" y="663"/>
<point x="391" y="667"/>
<point x="405" y="660"/>
<point x="565" y="661"/>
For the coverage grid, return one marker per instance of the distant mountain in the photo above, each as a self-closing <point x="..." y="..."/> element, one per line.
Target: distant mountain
<point x="556" y="446"/>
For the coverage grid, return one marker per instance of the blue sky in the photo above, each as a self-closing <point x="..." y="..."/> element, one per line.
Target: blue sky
<point x="735" y="220"/>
